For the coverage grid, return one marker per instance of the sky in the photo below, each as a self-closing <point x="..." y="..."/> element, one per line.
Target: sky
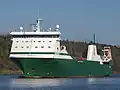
<point x="78" y="19"/>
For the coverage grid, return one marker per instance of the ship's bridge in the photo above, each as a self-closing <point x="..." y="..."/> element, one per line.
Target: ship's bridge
<point x="37" y="40"/>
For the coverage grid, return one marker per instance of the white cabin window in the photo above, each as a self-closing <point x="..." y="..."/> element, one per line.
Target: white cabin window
<point x="43" y="41"/>
<point x="17" y="41"/>
<point x="26" y="41"/>
<point x="49" y="41"/>
<point x="39" y="41"/>
<point x="22" y="41"/>
<point x="34" y="41"/>
<point x="42" y="46"/>
<point x="16" y="47"/>
<point x="22" y="47"/>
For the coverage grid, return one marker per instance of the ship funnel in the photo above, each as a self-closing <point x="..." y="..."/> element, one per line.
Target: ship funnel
<point x="92" y="51"/>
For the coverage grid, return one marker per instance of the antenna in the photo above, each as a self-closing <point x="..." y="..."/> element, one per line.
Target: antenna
<point x="38" y="25"/>
<point x="38" y="13"/>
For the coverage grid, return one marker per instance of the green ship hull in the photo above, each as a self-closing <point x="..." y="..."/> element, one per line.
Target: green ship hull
<point x="62" y="67"/>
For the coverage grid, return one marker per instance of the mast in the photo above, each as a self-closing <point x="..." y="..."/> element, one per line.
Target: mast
<point x="94" y="38"/>
<point x="39" y="20"/>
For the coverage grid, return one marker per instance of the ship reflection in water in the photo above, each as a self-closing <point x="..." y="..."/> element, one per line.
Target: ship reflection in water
<point x="66" y="84"/>
<point x="35" y="82"/>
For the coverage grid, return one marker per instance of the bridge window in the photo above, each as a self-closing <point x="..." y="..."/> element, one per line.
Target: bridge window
<point x="36" y="47"/>
<point x="49" y="47"/>
<point x="40" y="36"/>
<point x="42" y="46"/>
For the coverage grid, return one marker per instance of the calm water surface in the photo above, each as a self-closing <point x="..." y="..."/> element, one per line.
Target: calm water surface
<point x="11" y="82"/>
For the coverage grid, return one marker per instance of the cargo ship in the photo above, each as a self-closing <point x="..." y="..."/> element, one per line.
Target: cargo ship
<point x="39" y="53"/>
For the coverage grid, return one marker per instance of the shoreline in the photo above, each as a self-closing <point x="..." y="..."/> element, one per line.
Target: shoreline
<point x="7" y="72"/>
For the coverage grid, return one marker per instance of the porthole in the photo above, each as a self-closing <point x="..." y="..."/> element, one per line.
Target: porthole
<point x="49" y="47"/>
<point x="22" y="47"/>
<point x="49" y="41"/>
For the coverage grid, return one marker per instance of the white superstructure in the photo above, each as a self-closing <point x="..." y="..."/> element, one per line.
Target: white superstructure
<point x="38" y="43"/>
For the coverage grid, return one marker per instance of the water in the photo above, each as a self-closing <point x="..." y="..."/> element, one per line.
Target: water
<point x="11" y="82"/>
